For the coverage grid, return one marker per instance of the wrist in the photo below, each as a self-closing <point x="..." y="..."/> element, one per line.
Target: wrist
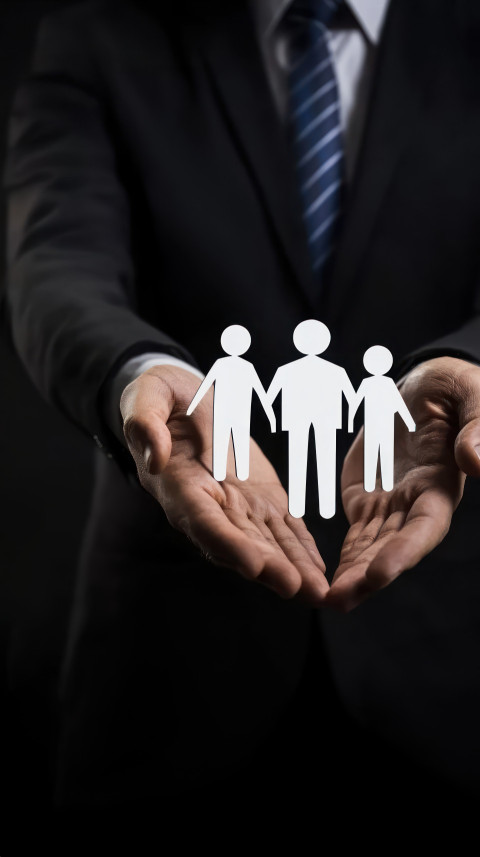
<point x="445" y="366"/>
<point x="160" y="390"/>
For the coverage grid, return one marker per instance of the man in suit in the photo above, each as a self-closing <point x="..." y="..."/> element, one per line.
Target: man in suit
<point x="161" y="185"/>
<point x="312" y="391"/>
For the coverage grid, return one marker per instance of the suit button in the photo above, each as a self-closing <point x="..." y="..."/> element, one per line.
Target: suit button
<point x="98" y="441"/>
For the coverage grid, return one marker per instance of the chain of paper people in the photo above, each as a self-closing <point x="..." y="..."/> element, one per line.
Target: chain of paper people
<point x="312" y="390"/>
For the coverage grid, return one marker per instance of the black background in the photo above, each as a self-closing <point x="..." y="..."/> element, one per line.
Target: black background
<point x="45" y="474"/>
<point x="46" y="468"/>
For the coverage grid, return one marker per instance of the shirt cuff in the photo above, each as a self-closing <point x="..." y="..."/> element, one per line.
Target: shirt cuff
<point x="126" y="374"/>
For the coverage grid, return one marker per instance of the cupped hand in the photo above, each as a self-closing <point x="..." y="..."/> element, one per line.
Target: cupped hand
<point x="392" y="531"/>
<point x="242" y="525"/>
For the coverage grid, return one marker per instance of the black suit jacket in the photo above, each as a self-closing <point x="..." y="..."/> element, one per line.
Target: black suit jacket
<point x="152" y="202"/>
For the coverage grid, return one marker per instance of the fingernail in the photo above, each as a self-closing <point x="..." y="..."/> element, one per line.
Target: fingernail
<point x="477" y="449"/>
<point x="147" y="457"/>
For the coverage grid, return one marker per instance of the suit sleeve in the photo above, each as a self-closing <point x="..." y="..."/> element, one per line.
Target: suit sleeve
<point x="463" y="343"/>
<point x="70" y="275"/>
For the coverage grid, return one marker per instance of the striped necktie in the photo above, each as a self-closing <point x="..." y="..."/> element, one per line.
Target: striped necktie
<point x="315" y="127"/>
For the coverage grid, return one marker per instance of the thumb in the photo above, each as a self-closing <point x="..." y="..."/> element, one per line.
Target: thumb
<point x="467" y="442"/>
<point x="146" y="405"/>
<point x="467" y="448"/>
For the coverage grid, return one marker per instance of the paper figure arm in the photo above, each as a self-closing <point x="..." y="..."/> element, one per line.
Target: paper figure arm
<point x="203" y="388"/>
<point x="351" y="397"/>
<point x="274" y="387"/>
<point x="403" y="410"/>
<point x="354" y="403"/>
<point x="348" y="389"/>
<point x="263" y="396"/>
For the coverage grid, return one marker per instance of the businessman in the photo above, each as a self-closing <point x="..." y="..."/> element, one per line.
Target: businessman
<point x="174" y="168"/>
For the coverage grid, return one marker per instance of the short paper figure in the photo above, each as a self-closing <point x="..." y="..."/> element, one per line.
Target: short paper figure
<point x="312" y="390"/>
<point x="382" y="401"/>
<point x="234" y="379"/>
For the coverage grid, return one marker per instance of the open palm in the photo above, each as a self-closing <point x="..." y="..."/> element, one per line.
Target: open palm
<point x="243" y="525"/>
<point x="391" y="531"/>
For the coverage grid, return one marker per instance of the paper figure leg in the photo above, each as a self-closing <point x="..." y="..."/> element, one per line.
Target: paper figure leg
<point x="297" y="470"/>
<point x="370" y="459"/>
<point x="386" y="462"/>
<point x="241" y="447"/>
<point x="221" y="440"/>
<point x="326" y="452"/>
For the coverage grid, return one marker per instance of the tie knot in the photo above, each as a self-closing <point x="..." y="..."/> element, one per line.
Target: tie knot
<point x="321" y="11"/>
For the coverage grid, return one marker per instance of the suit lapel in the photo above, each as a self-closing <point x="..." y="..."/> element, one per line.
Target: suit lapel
<point x="229" y="44"/>
<point x="401" y="81"/>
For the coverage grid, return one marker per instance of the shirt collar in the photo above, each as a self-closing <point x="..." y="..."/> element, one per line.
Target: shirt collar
<point x="370" y="15"/>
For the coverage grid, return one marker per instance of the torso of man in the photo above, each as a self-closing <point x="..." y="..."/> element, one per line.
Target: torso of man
<point x="312" y="390"/>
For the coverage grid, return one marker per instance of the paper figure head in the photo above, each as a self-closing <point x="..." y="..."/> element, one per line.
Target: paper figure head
<point x="311" y="337"/>
<point x="235" y="340"/>
<point x="378" y="360"/>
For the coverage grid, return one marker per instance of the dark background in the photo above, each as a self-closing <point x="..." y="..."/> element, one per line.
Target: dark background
<point x="45" y="474"/>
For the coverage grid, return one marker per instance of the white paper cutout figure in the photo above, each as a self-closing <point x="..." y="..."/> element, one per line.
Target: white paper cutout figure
<point x="382" y="401"/>
<point x="235" y="380"/>
<point x="312" y="390"/>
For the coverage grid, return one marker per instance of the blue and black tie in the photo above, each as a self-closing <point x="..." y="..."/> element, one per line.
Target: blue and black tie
<point x="315" y="125"/>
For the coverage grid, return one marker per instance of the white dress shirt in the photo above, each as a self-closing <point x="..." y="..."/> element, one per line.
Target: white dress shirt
<point x="353" y="42"/>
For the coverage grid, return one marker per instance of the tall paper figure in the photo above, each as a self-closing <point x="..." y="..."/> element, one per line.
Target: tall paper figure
<point x="312" y="390"/>
<point x="235" y="380"/>
<point x="382" y="401"/>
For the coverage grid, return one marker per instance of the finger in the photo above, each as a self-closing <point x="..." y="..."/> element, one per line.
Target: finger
<point x="242" y="550"/>
<point x="256" y="529"/>
<point x="149" y="441"/>
<point x="292" y="533"/>
<point x="467" y="448"/>
<point x="359" y="506"/>
<point x="349" y="591"/>
<point x="394" y="552"/>
<point x="467" y="444"/>
<point x="251" y="526"/>
<point x="360" y="537"/>
<point x="298" y="526"/>
<point x="314" y="583"/>
<point x="275" y="564"/>
<point x="351" y="583"/>
<point x="146" y="405"/>
<point x="425" y="527"/>
<point x="375" y="533"/>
